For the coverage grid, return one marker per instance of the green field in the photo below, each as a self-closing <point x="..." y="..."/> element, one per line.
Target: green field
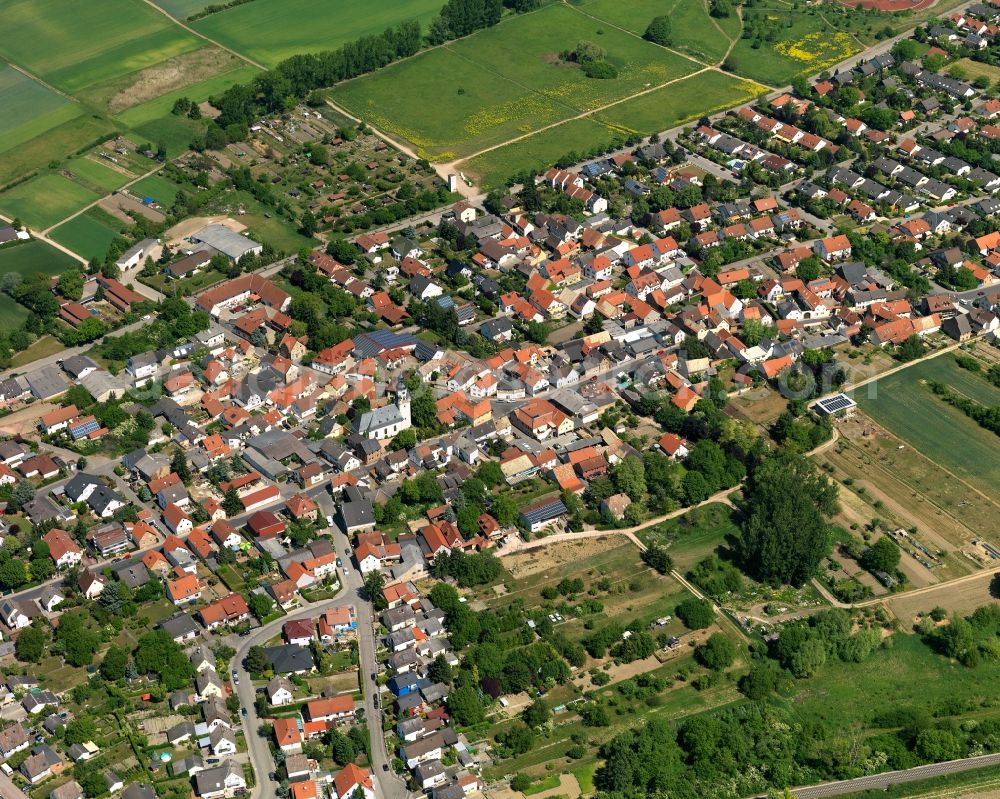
<point x="539" y="151"/>
<point x="43" y="201"/>
<point x="29" y="108"/>
<point x="95" y="175"/>
<point x="182" y="9"/>
<point x="85" y="236"/>
<point x="487" y="98"/>
<point x="269" y="31"/>
<point x="12" y="314"/>
<point x="806" y="45"/>
<point x="157" y="187"/>
<point x="199" y="92"/>
<point x="173" y="132"/>
<point x="688" y="98"/>
<point x="34" y="258"/>
<point x="54" y="145"/>
<point x="31" y="258"/>
<point x="944" y="434"/>
<point x="76" y="45"/>
<point x="907" y="675"/>
<point x="694" y="31"/>
<point x="680" y="102"/>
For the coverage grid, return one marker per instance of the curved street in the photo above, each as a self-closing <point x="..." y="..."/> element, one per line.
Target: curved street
<point x="390" y="786"/>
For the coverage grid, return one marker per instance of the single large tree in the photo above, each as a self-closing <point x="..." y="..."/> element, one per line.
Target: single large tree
<point x="785" y="534"/>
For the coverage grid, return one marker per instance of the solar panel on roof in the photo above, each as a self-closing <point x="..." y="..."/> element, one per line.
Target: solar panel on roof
<point x="835" y="404"/>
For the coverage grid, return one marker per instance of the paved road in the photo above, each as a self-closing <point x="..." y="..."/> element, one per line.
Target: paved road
<point x="389" y="784"/>
<point x="881" y="782"/>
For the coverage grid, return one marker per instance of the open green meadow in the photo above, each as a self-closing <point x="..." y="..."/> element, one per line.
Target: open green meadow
<point x="29" y="108"/>
<point x="487" y="98"/>
<point x="691" y="98"/>
<point x="806" y="44"/>
<point x="474" y="108"/>
<point x="694" y="32"/>
<point x="695" y="535"/>
<point x="537" y="152"/>
<point x="86" y="236"/>
<point x="76" y="45"/>
<point x="269" y="31"/>
<point x="906" y="407"/>
<point x="906" y="674"/>
<point x="34" y="258"/>
<point x="53" y="145"/>
<point x="45" y="200"/>
<point x="538" y="39"/>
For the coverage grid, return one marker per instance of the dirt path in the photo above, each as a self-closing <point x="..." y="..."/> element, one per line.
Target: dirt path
<point x="98" y="201"/>
<point x="42" y="237"/>
<point x="635" y="35"/>
<point x="48" y="86"/>
<point x="202" y="36"/>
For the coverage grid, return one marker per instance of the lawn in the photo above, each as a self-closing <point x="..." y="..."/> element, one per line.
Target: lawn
<point x="269" y="31"/>
<point x="43" y="201"/>
<point x="487" y="98"/>
<point x="76" y="45"/>
<point x="97" y="176"/>
<point x="680" y="102"/>
<point x="85" y="236"/>
<point x="806" y="44"/>
<point x="42" y="348"/>
<point x="536" y="153"/>
<point x="157" y="187"/>
<point x="902" y="403"/>
<point x="693" y="30"/>
<point x="30" y="108"/>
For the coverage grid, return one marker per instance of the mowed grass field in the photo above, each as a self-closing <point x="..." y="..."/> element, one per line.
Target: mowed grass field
<point x="269" y="31"/>
<point x="29" y="108"/>
<point x="902" y="403"/>
<point x="97" y="175"/>
<point x="486" y="96"/>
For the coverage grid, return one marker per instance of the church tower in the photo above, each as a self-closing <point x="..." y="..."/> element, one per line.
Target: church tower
<point x="403" y="401"/>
